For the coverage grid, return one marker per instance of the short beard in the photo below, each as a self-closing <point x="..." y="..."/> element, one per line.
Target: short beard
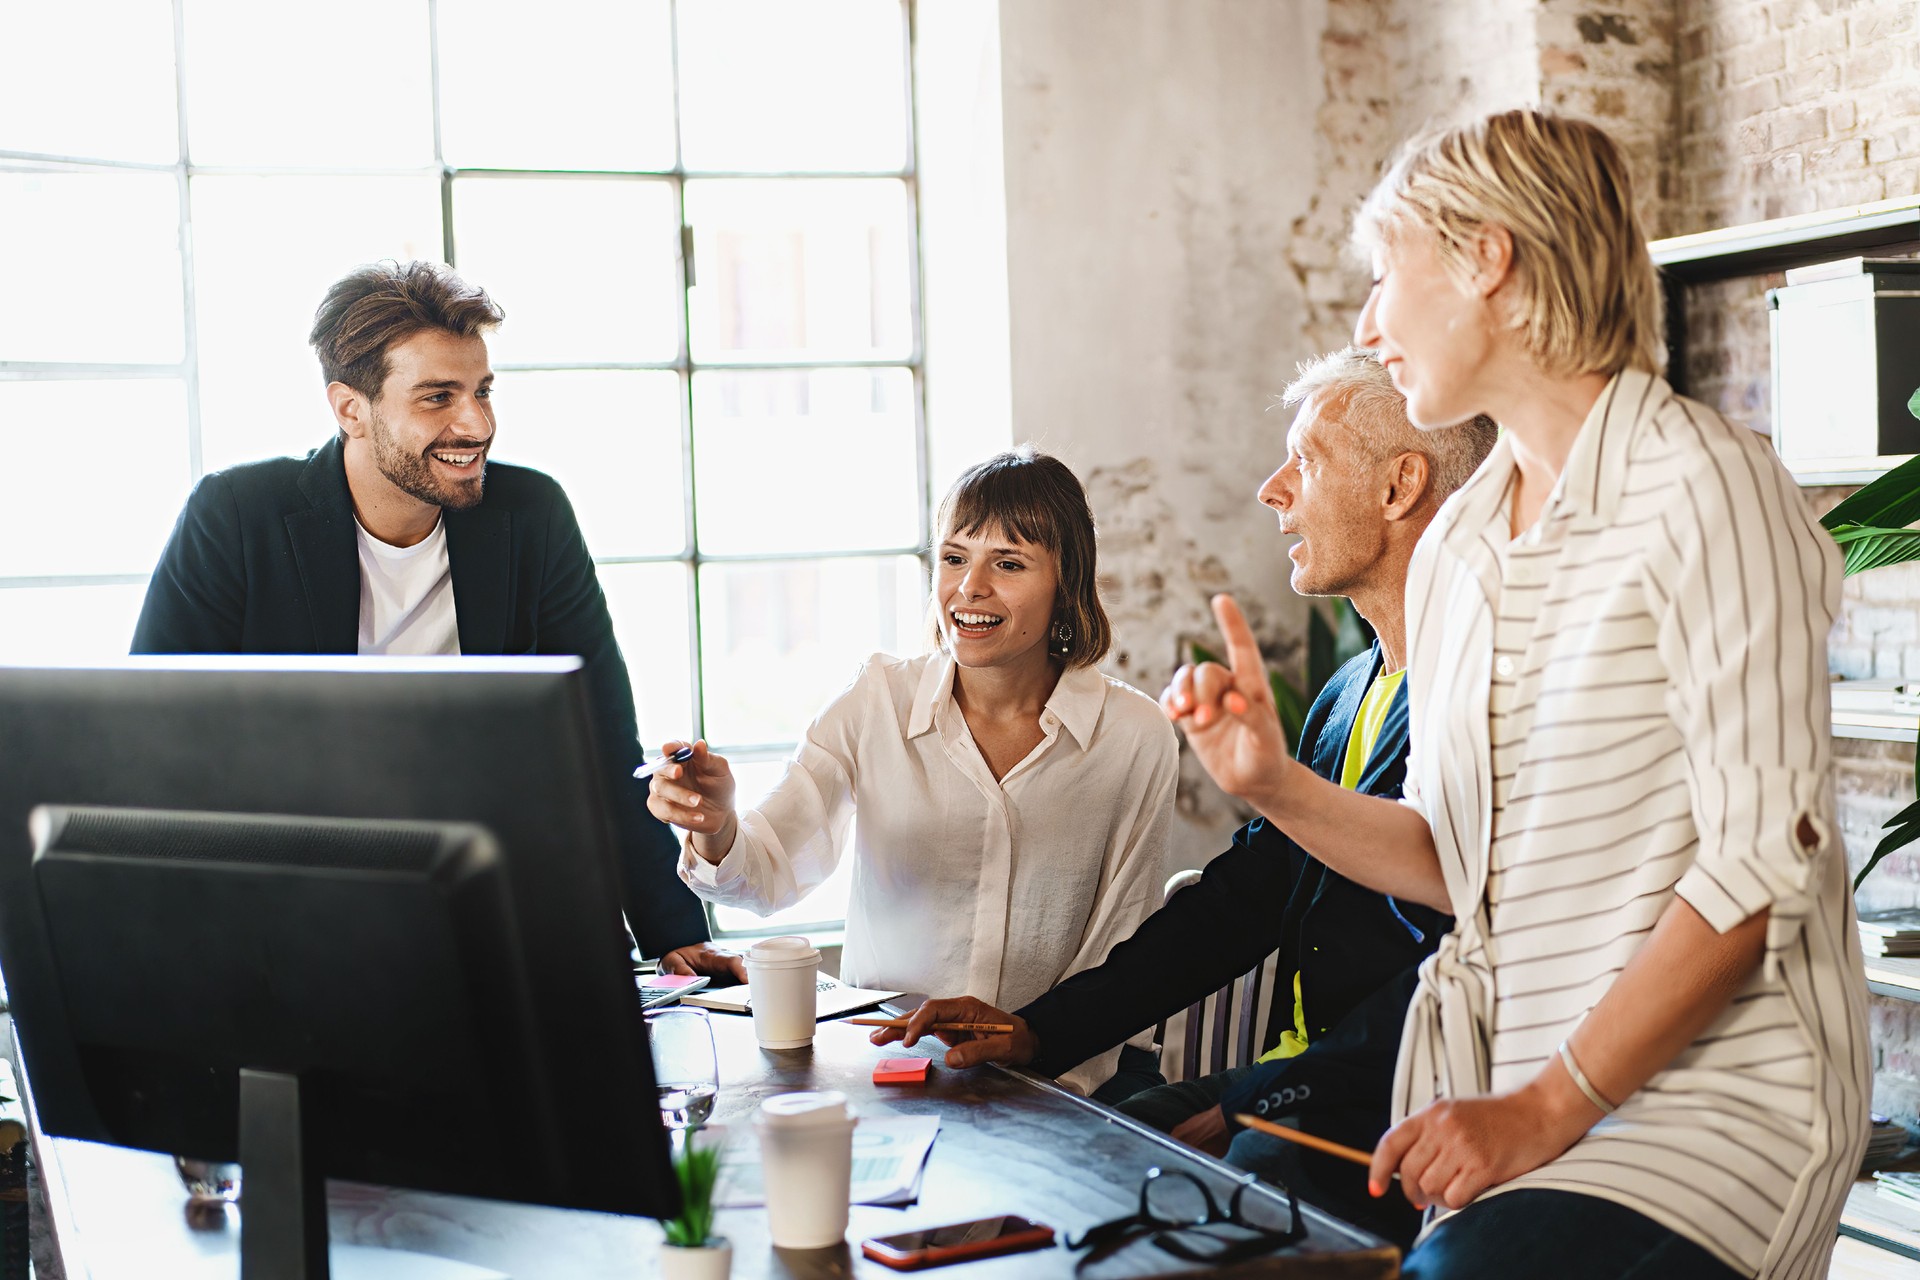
<point x="412" y="473"/>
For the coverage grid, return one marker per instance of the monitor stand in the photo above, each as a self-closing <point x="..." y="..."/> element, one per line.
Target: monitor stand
<point x="283" y="1201"/>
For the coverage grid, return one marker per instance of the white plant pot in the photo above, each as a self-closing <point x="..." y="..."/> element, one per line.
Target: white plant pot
<point x="710" y="1261"/>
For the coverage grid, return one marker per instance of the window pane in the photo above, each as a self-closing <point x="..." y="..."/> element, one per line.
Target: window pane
<point x="773" y="86"/>
<point x="826" y="905"/>
<point x="265" y="250"/>
<point x="345" y="83"/>
<point x="844" y="438"/>
<point x="780" y="639"/>
<point x="812" y="269"/>
<point x="108" y="462"/>
<point x="612" y="440"/>
<point x="587" y="86"/>
<point x="55" y="625"/>
<point x="618" y="299"/>
<point x="649" y="607"/>
<point x="90" y="267"/>
<point x="90" y="80"/>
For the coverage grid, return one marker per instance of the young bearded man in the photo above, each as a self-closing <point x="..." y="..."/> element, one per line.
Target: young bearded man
<point x="1359" y="485"/>
<point x="396" y="537"/>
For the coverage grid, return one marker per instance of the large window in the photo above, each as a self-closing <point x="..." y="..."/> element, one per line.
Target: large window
<point x="698" y="215"/>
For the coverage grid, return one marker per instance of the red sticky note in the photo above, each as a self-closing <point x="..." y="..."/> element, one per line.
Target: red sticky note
<point x="901" y="1070"/>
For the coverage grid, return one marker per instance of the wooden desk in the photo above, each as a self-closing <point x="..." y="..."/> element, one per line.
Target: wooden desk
<point x="1008" y="1143"/>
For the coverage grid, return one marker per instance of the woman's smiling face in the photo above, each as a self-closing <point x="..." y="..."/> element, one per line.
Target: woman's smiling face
<point x="996" y="594"/>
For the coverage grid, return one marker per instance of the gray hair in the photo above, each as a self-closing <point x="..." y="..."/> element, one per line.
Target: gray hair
<point x="1376" y="417"/>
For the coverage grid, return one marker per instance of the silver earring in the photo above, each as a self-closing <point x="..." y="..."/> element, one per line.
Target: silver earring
<point x="1062" y="639"/>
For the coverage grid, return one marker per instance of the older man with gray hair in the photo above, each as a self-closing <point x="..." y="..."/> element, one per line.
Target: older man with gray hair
<point x="1359" y="486"/>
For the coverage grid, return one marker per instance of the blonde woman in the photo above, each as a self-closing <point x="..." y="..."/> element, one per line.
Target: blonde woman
<point x="1642" y="1051"/>
<point x="1013" y="802"/>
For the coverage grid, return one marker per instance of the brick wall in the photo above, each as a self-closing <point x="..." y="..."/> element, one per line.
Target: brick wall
<point x="1793" y="106"/>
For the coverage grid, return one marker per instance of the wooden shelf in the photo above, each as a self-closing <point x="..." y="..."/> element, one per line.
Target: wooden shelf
<point x="1781" y="243"/>
<point x="1874" y="709"/>
<point x="1880" y="1220"/>
<point x="1896" y="976"/>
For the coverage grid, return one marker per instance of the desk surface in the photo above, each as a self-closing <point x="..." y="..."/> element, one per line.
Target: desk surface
<point x="1008" y="1143"/>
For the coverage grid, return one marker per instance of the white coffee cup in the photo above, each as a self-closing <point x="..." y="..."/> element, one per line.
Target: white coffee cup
<point x="806" y="1149"/>
<point x="781" y="973"/>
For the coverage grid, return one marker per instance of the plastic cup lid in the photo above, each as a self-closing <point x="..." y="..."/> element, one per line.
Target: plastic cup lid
<point x="818" y="1109"/>
<point x="787" y="950"/>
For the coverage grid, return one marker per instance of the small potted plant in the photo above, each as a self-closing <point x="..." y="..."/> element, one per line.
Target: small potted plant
<point x="692" y="1251"/>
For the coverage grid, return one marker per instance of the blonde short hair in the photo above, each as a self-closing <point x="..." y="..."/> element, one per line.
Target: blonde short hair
<point x="1588" y="297"/>
<point x="1375" y="415"/>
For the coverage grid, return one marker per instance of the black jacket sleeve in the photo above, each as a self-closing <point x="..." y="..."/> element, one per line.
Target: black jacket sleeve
<point x="196" y="600"/>
<point x="1349" y="1070"/>
<point x="662" y="912"/>
<point x="1205" y="936"/>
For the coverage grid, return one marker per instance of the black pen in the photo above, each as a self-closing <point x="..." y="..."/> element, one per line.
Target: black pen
<point x="681" y="756"/>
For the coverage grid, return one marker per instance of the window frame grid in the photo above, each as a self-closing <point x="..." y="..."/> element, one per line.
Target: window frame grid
<point x="187" y="370"/>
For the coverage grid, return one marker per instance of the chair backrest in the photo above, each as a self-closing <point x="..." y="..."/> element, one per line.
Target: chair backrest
<point x="1224" y="1027"/>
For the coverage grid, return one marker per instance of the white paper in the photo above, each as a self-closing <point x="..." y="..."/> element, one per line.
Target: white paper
<point x="889" y="1155"/>
<point x="832" y="998"/>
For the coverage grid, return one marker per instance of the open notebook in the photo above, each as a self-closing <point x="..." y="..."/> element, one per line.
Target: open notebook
<point x="831" y="998"/>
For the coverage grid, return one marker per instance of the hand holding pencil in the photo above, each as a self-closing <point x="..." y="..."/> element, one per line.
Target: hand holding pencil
<point x="974" y="1030"/>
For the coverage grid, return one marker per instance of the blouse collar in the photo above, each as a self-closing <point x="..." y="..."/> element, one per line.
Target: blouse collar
<point x="1075" y="702"/>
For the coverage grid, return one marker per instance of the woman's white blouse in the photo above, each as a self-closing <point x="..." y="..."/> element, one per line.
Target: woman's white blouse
<point x="1626" y="704"/>
<point x="963" y="884"/>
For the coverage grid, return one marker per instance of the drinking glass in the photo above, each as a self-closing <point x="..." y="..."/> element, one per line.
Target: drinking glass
<point x="684" y="1066"/>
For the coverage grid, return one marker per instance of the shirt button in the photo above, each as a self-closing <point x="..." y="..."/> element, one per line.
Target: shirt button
<point x="1504" y="666"/>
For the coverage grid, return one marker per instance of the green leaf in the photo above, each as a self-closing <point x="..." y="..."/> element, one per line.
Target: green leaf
<point x="1321" y="663"/>
<point x="1352" y="633"/>
<point x="1889" y="502"/>
<point x="1913" y="403"/>
<point x="696" y="1167"/>
<point x="1902" y="834"/>
<point x="1292" y="705"/>
<point x="1868" y="547"/>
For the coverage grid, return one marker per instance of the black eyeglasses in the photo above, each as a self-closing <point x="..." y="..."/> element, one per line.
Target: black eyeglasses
<point x="1175" y="1205"/>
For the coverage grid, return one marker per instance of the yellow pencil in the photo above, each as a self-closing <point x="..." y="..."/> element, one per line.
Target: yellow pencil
<point x="1354" y="1154"/>
<point x="900" y="1023"/>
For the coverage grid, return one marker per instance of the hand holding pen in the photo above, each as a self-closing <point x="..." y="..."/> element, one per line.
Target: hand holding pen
<point x="693" y="788"/>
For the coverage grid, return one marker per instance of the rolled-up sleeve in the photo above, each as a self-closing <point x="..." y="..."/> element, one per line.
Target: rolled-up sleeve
<point x="1747" y="586"/>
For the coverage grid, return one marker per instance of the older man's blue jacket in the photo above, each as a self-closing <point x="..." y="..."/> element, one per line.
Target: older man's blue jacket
<point x="1266" y="894"/>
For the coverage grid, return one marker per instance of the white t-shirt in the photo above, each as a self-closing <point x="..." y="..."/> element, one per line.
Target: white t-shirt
<point x="406" y="595"/>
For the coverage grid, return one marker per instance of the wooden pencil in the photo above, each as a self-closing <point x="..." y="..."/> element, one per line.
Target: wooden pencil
<point x="900" y="1023"/>
<point x="1353" y="1154"/>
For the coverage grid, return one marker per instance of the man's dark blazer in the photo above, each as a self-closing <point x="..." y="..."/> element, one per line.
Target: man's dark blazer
<point x="264" y="559"/>
<point x="1263" y="894"/>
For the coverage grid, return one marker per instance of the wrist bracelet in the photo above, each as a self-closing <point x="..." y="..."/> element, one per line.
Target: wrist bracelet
<point x="1581" y="1082"/>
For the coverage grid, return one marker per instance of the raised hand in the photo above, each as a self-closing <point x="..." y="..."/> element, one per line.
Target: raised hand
<point x="968" y="1048"/>
<point x="1228" y="714"/>
<point x="697" y="796"/>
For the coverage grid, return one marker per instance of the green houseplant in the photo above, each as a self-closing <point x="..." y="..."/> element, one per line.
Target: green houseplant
<point x="692" y="1251"/>
<point x="1871" y="528"/>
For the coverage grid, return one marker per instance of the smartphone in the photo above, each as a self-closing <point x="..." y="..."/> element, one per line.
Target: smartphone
<point x="937" y="1246"/>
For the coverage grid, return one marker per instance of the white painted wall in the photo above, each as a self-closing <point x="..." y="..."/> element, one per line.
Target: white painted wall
<point x="1157" y="153"/>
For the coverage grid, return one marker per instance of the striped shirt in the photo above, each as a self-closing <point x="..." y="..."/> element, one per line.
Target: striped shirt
<point x="1627" y="703"/>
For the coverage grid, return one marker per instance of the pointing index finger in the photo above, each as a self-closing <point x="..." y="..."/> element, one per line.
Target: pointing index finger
<point x="1243" y="651"/>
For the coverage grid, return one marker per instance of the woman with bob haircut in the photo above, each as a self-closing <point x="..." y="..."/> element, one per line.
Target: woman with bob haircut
<point x="1642" y="1050"/>
<point x="1013" y="802"/>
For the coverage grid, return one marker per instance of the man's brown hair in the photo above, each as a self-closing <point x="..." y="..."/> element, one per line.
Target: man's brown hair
<point x="1038" y="499"/>
<point x="372" y="309"/>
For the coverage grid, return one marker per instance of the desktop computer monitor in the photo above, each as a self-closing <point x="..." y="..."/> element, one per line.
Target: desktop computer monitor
<point x="350" y="918"/>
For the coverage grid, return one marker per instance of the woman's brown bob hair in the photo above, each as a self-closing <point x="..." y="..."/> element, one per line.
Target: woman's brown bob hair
<point x="1037" y="499"/>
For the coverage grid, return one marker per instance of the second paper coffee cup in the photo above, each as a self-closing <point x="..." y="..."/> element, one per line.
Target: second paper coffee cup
<point x="806" y="1148"/>
<point x="781" y="973"/>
